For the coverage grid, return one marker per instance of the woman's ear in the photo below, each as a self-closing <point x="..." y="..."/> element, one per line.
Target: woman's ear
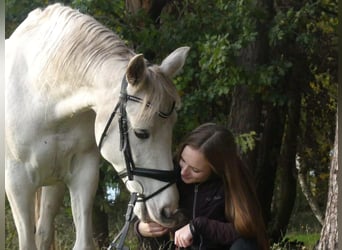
<point x="136" y="70"/>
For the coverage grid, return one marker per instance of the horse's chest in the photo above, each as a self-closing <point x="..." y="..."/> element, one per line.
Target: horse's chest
<point x="50" y="148"/>
<point x="56" y="148"/>
<point x="71" y="137"/>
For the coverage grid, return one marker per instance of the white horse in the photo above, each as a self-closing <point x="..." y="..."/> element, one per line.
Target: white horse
<point x="63" y="79"/>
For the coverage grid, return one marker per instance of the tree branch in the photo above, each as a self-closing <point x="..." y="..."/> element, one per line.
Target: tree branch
<point x="307" y="193"/>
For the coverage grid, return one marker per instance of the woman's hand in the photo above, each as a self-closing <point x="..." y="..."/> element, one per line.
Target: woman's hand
<point x="151" y="229"/>
<point x="183" y="237"/>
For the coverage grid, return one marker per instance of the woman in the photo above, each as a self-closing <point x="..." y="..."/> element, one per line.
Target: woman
<point x="217" y="195"/>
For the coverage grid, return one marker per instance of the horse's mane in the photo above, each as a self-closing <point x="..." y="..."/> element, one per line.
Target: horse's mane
<point x="75" y="45"/>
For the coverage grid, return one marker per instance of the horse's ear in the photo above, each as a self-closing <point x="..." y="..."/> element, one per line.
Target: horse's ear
<point x="136" y="70"/>
<point x="172" y="64"/>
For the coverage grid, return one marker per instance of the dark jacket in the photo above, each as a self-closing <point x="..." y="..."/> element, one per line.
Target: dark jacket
<point x="203" y="205"/>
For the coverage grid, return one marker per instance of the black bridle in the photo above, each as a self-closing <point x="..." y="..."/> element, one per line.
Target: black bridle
<point x="168" y="176"/>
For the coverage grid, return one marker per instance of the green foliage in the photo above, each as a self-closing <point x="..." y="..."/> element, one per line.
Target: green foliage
<point x="246" y="141"/>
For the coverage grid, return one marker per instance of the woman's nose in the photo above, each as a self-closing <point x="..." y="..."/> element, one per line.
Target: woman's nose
<point x="184" y="170"/>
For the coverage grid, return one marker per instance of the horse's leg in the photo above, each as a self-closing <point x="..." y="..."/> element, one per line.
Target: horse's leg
<point x="83" y="186"/>
<point x="51" y="200"/>
<point x="20" y="191"/>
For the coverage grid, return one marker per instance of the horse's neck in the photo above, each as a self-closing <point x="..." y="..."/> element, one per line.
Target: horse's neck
<point x="77" y="102"/>
<point x="103" y="91"/>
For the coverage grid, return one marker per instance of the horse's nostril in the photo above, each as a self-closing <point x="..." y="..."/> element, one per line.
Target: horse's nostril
<point x="166" y="213"/>
<point x="174" y="218"/>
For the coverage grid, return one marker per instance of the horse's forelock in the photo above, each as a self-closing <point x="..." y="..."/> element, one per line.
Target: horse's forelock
<point x="160" y="92"/>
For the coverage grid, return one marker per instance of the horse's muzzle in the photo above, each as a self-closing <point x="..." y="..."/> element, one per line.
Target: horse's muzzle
<point x="173" y="220"/>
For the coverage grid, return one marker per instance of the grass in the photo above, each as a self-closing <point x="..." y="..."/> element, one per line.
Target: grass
<point x="309" y="239"/>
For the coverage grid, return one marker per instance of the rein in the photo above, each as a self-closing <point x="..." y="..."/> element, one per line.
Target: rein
<point x="168" y="176"/>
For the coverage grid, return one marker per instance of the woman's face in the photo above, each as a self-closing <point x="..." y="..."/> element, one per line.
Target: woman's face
<point x="195" y="168"/>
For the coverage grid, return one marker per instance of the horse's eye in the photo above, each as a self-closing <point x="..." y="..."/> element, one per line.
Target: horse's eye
<point x="142" y="133"/>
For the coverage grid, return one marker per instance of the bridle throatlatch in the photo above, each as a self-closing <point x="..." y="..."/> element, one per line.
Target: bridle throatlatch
<point x="131" y="170"/>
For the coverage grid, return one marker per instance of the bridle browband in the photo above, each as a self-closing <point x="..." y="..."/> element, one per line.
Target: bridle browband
<point x="131" y="170"/>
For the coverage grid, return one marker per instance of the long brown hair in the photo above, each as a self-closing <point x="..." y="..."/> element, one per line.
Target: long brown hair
<point x="242" y="207"/>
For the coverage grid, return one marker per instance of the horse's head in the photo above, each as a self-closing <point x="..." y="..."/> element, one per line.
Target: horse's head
<point x="137" y="141"/>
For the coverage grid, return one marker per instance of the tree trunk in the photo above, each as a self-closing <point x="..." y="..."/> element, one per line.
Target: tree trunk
<point x="152" y="7"/>
<point x="134" y="6"/>
<point x="287" y="163"/>
<point x="249" y="112"/>
<point x="245" y="117"/>
<point x="268" y="155"/>
<point x="246" y="108"/>
<point x="329" y="233"/>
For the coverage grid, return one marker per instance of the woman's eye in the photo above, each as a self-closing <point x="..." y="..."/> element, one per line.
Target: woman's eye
<point x="195" y="170"/>
<point x="142" y="133"/>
